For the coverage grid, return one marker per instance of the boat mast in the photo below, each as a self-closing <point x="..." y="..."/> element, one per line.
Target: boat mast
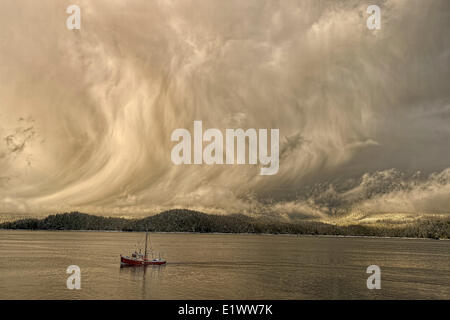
<point x="146" y="237"/>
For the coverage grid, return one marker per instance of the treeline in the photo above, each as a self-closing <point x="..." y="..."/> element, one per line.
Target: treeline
<point x="192" y="221"/>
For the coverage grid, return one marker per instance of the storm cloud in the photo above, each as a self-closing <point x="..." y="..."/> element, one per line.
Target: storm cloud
<point x="86" y="115"/>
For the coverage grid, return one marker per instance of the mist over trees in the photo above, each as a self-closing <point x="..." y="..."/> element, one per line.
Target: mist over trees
<point x="181" y="220"/>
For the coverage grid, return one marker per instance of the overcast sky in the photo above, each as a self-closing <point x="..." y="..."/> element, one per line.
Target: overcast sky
<point x="86" y="115"/>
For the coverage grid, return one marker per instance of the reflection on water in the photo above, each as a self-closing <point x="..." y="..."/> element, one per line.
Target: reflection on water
<point x="146" y="276"/>
<point x="213" y="266"/>
<point x="143" y="272"/>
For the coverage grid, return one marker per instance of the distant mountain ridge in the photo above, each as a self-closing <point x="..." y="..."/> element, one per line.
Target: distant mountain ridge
<point x="182" y="220"/>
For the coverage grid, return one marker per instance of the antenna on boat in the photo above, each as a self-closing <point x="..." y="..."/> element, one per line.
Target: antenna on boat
<point x="146" y="238"/>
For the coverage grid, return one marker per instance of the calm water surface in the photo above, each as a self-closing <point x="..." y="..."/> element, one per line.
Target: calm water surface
<point x="212" y="266"/>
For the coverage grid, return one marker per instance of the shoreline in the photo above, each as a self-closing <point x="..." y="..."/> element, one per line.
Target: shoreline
<point x="231" y="233"/>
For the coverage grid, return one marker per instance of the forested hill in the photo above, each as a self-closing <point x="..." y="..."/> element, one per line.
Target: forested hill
<point x="193" y="221"/>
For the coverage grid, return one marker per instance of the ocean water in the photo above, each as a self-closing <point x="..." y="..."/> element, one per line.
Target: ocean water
<point x="221" y="266"/>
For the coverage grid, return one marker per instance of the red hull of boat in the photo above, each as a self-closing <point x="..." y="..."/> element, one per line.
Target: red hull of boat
<point x="133" y="262"/>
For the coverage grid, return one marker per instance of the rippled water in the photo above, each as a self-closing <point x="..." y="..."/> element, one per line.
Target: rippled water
<point x="215" y="266"/>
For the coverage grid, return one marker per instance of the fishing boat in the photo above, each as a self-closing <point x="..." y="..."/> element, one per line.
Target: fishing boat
<point x="141" y="259"/>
